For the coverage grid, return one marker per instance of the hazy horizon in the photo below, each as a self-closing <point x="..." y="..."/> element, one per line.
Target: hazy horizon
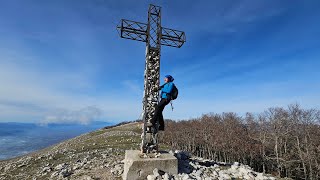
<point x="17" y="139"/>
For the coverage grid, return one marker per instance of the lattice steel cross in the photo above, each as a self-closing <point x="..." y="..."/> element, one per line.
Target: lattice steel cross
<point x="154" y="35"/>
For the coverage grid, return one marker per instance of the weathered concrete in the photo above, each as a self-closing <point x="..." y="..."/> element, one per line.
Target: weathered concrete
<point x="138" y="168"/>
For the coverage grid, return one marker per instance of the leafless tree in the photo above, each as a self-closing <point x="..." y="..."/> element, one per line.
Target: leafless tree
<point x="281" y="141"/>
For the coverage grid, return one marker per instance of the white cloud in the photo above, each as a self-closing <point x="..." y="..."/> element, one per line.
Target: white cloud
<point x="82" y="116"/>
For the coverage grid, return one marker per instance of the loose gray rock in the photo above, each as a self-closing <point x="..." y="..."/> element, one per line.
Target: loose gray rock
<point x="60" y="166"/>
<point x="46" y="169"/>
<point x="202" y="169"/>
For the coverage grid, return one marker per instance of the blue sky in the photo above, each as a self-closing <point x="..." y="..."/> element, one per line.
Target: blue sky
<point x="63" y="60"/>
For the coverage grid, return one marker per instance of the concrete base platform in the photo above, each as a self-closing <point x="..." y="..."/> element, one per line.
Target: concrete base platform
<point x="138" y="168"/>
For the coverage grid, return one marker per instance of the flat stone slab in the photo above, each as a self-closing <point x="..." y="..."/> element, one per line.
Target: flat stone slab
<point x="137" y="167"/>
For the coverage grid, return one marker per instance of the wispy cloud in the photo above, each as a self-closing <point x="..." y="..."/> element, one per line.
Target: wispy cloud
<point x="82" y="116"/>
<point x="30" y="94"/>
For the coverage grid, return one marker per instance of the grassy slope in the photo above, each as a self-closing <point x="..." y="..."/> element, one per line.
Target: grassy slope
<point x="94" y="155"/>
<point x="104" y="148"/>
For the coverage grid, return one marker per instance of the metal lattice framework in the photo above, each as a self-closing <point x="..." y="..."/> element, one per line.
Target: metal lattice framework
<point x="154" y="35"/>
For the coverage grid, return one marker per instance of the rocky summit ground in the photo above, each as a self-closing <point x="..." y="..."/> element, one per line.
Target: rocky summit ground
<point x="99" y="155"/>
<point x="196" y="168"/>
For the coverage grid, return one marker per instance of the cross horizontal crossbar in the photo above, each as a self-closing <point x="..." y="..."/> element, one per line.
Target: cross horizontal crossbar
<point x="133" y="30"/>
<point x="173" y="38"/>
<point x="139" y="31"/>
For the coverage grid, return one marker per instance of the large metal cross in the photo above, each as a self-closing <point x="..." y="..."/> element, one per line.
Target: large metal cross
<point x="154" y="35"/>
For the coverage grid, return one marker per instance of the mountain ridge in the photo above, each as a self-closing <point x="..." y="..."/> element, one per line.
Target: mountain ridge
<point x="99" y="155"/>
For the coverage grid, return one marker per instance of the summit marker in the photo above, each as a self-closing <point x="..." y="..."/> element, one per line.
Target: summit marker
<point x="154" y="35"/>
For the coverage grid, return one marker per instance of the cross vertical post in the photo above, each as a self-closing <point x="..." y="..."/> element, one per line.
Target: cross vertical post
<point x="154" y="35"/>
